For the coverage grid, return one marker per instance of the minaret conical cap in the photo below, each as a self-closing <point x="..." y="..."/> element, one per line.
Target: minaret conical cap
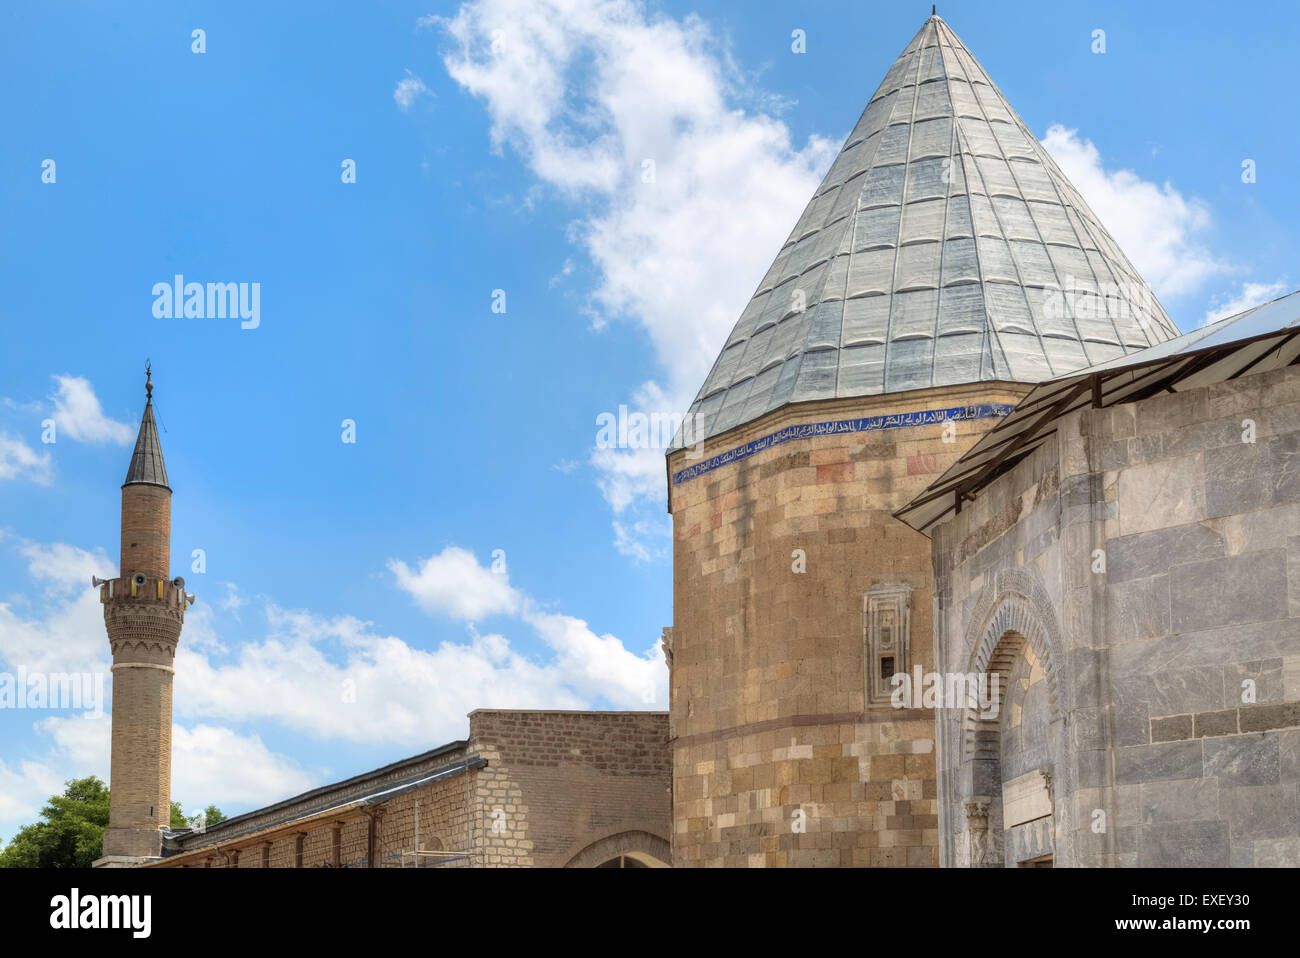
<point x="147" y="467"/>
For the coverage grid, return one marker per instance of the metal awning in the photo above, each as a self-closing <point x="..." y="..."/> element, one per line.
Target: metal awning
<point x="1259" y="339"/>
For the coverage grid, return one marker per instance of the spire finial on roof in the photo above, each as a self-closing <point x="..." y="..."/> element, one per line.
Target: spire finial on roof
<point x="147" y="460"/>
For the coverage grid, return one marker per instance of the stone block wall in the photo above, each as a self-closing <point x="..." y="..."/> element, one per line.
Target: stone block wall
<point x="559" y="788"/>
<point x="779" y="759"/>
<point x="558" y="783"/>
<point x="1159" y="545"/>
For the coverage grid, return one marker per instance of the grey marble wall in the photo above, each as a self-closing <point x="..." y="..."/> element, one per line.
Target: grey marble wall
<point x="1150" y="553"/>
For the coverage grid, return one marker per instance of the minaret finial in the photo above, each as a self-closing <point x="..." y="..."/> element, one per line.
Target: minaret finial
<point x="148" y="381"/>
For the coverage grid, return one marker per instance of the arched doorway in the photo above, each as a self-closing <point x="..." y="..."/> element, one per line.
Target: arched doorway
<point x="1010" y="745"/>
<point x="633" y="860"/>
<point x="630" y="849"/>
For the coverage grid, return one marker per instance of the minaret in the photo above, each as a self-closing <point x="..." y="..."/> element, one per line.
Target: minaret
<point x="143" y="611"/>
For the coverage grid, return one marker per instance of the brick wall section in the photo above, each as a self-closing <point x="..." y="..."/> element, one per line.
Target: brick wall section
<point x="558" y="781"/>
<point x="146" y="530"/>
<point x="1200" y="593"/>
<point x="768" y="699"/>
<point x="446" y="822"/>
<point x="555" y="784"/>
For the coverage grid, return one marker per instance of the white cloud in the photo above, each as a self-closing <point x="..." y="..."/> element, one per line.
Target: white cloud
<point x="1154" y="224"/>
<point x="645" y="539"/>
<point x="64" y="568"/>
<point x="590" y="93"/>
<point x="409" y="89"/>
<point x="333" y="679"/>
<point x="686" y="196"/>
<point x="339" y="679"/>
<point x="78" y="415"/>
<point x="453" y="583"/>
<point x="600" y="666"/>
<point x="217" y="765"/>
<point x="210" y="765"/>
<point x="20" y="461"/>
<point x="233" y="600"/>
<point x="1250" y="294"/>
<point x="627" y="475"/>
<point x="69" y="635"/>
<point x="24" y="788"/>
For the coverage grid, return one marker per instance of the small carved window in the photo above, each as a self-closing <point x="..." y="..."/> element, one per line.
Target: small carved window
<point x="886" y="616"/>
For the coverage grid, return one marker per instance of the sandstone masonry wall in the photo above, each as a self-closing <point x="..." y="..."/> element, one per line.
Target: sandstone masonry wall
<point x="558" y="786"/>
<point x="557" y="782"/>
<point x="779" y="759"/>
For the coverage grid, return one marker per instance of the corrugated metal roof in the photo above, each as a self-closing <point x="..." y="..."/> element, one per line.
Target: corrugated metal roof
<point x="1257" y="340"/>
<point x="943" y="247"/>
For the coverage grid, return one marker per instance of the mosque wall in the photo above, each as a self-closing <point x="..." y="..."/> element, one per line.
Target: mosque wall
<point x="794" y="588"/>
<point x="1137" y="579"/>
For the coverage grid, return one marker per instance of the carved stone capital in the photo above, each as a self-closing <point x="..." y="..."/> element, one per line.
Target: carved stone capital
<point x="977" y="810"/>
<point x="977" y="828"/>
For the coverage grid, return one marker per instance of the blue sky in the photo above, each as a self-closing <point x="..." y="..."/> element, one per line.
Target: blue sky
<point x="485" y="161"/>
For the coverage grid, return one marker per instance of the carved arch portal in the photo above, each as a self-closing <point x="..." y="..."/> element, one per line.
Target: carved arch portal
<point x="1014" y="638"/>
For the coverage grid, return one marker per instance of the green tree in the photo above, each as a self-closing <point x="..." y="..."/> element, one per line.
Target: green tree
<point x="211" y="815"/>
<point x="70" y="833"/>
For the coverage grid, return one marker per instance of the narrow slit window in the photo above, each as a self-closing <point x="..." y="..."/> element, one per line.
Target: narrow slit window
<point x="886" y="619"/>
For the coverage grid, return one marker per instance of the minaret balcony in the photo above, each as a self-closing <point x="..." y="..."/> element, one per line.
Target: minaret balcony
<point x="144" y="589"/>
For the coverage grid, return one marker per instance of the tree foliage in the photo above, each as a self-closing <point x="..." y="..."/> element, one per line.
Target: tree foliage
<point x="211" y="816"/>
<point x="70" y="833"/>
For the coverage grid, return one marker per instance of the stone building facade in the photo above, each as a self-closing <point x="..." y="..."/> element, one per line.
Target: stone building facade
<point x="1135" y="583"/>
<point x="977" y="562"/>
<point x="525" y="789"/>
<point x="782" y="754"/>
<point x="908" y="311"/>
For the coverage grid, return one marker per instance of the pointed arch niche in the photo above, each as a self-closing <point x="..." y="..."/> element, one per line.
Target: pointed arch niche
<point x="1011" y="748"/>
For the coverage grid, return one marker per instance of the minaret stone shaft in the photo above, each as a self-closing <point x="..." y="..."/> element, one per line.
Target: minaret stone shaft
<point x="144" y="613"/>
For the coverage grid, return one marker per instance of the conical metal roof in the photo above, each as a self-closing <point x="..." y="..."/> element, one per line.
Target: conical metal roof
<point x="147" y="466"/>
<point x="943" y="247"/>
